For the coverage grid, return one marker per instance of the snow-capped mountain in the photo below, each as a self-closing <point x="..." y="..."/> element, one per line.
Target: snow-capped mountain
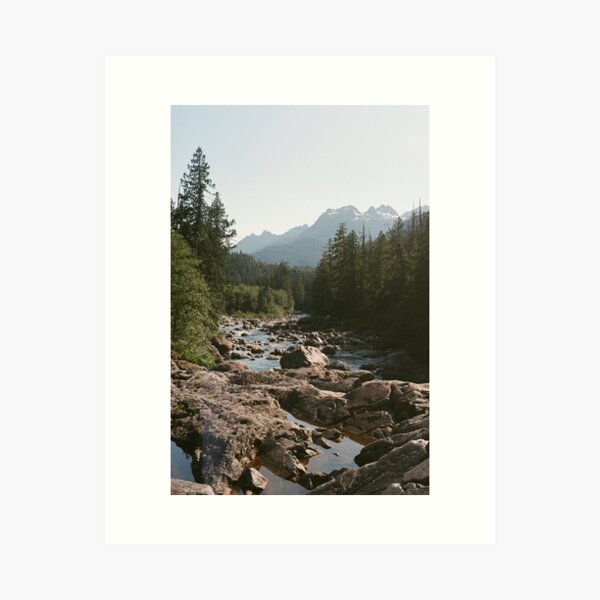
<point x="303" y="246"/>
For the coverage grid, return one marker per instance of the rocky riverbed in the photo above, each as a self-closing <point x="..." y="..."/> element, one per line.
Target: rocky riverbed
<point x="289" y="410"/>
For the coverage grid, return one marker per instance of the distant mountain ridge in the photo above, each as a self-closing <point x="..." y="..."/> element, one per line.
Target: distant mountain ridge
<point x="303" y="245"/>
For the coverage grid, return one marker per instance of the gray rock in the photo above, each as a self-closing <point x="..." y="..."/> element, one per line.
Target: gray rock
<point x="253" y="481"/>
<point x="372" y="395"/>
<point x="374" y="478"/>
<point x="311" y="404"/>
<point x="312" y="480"/>
<point x="374" y="451"/>
<point x="416" y="489"/>
<point x="419" y="473"/>
<point x="179" y="487"/>
<point x="339" y="365"/>
<point x="303" y="356"/>
<point x="394" y="489"/>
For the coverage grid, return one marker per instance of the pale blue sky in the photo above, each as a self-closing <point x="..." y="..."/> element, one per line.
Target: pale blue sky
<point x="281" y="166"/>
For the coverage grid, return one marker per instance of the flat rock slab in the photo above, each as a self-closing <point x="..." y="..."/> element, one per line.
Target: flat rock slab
<point x="231" y="425"/>
<point x="179" y="487"/>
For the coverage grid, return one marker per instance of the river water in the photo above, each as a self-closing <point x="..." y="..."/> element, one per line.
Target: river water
<point x="341" y="454"/>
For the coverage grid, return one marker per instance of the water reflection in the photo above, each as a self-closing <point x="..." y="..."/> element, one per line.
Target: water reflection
<point x="181" y="464"/>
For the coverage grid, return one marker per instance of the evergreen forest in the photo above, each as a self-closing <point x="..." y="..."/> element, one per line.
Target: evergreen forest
<point x="379" y="284"/>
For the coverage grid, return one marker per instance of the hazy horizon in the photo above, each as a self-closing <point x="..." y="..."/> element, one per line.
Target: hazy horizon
<point x="278" y="167"/>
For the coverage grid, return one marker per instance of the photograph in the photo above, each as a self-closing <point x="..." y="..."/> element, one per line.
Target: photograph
<point x="299" y="300"/>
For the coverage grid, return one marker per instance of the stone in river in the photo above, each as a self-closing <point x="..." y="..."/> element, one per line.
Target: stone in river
<point x="303" y="356"/>
<point x="223" y="346"/>
<point x="253" y="481"/>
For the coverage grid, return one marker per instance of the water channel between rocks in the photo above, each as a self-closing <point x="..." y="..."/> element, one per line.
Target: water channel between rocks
<point x="341" y="454"/>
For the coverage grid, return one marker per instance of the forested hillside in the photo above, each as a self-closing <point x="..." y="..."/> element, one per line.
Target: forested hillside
<point x="207" y="280"/>
<point x="380" y="283"/>
<point x="295" y="281"/>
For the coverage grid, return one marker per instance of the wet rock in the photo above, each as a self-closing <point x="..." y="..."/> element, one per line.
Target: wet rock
<point x="330" y="350"/>
<point x="302" y="356"/>
<point x="374" y="478"/>
<point x="312" y="480"/>
<point x="311" y="404"/>
<point x="339" y="366"/>
<point x="374" y="451"/>
<point x="179" y="487"/>
<point x="253" y="481"/>
<point x="224" y="346"/>
<point x="229" y="366"/>
<point x="394" y="489"/>
<point x="281" y="460"/>
<point x="321" y="441"/>
<point x="334" y="435"/>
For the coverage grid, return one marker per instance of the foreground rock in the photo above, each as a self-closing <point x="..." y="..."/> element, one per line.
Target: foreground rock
<point x="252" y="481"/>
<point x="226" y="427"/>
<point x="303" y="356"/>
<point x="179" y="487"/>
<point x="379" y="477"/>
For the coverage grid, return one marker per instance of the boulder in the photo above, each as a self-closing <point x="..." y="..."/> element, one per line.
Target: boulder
<point x="229" y="366"/>
<point x="374" y="424"/>
<point x="312" y="480"/>
<point x="303" y="356"/>
<point x="394" y="489"/>
<point x="339" y="365"/>
<point x="419" y="473"/>
<point x="253" y="481"/>
<point x="311" y="404"/>
<point x="409" y="399"/>
<point x="223" y="345"/>
<point x="372" y="395"/>
<point x="374" y="451"/>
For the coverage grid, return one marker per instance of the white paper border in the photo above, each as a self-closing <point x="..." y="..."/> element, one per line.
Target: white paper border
<point x="139" y="94"/>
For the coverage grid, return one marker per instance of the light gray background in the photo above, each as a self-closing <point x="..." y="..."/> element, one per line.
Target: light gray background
<point x="52" y="253"/>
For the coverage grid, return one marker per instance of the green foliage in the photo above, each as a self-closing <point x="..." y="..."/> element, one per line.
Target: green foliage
<point x="296" y="281"/>
<point x="382" y="284"/>
<point x="203" y="222"/>
<point x="193" y="317"/>
<point x="255" y="300"/>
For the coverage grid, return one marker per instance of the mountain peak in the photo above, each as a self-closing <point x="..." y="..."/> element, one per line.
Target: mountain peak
<point x="303" y="245"/>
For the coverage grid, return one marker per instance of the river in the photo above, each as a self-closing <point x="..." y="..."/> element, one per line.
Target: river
<point x="340" y="454"/>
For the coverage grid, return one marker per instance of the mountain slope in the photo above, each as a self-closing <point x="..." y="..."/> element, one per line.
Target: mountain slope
<point x="303" y="246"/>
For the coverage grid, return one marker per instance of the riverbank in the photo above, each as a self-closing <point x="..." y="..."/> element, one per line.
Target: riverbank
<point x="289" y="410"/>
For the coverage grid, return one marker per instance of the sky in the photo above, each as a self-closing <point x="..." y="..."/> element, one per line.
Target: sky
<point x="277" y="167"/>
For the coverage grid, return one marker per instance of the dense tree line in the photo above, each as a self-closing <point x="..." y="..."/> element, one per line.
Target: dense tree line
<point x="380" y="283"/>
<point x="251" y="300"/>
<point x="201" y="236"/>
<point x="206" y="280"/>
<point x="295" y="281"/>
